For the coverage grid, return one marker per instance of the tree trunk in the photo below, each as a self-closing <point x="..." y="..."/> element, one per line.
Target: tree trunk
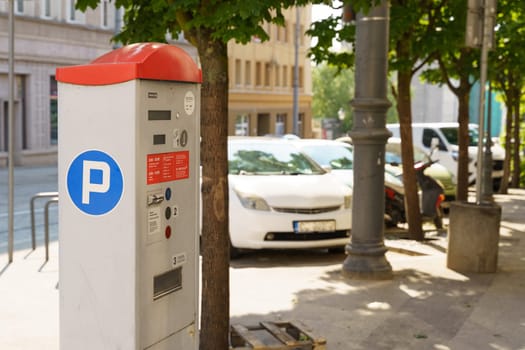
<point x="508" y="147"/>
<point x="516" y="161"/>
<point x="407" y="152"/>
<point x="215" y="301"/>
<point x="464" y="140"/>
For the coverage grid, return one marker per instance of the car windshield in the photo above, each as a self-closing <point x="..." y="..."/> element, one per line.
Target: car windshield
<point x="267" y="158"/>
<point x="393" y="154"/>
<point x="451" y="134"/>
<point x="337" y="157"/>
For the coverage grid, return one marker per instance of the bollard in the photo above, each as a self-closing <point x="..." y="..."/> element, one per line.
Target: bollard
<point x="473" y="237"/>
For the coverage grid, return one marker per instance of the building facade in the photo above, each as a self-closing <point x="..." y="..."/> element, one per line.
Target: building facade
<point x="262" y="80"/>
<point x="48" y="34"/>
<point x="51" y="33"/>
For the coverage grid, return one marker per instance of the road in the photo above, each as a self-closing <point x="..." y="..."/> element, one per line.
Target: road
<point x="28" y="182"/>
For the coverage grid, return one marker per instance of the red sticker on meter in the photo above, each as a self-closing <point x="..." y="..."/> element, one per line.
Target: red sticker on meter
<point x="163" y="167"/>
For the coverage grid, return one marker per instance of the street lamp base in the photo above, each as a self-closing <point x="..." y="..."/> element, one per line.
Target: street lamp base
<point x="372" y="267"/>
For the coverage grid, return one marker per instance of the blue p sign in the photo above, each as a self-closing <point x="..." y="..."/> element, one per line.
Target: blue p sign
<point x="94" y="182"/>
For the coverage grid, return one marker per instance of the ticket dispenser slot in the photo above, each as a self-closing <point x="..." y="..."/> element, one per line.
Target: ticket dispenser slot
<point x="167" y="283"/>
<point x="129" y="176"/>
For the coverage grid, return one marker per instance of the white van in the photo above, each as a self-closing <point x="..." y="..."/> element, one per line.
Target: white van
<point x="448" y="150"/>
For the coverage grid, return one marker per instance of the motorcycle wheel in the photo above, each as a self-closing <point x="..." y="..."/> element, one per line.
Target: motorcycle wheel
<point x="438" y="219"/>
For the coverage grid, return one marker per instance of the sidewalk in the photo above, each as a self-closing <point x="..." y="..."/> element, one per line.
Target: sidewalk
<point x="425" y="306"/>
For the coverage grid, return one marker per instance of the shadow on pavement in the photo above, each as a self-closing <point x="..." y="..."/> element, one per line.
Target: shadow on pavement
<point x="415" y="310"/>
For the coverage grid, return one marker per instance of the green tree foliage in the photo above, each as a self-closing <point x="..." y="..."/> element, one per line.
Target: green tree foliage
<point x="332" y="91"/>
<point x="413" y="44"/>
<point x="506" y="67"/>
<point x="430" y="35"/>
<point x="411" y="47"/>
<point x="458" y="68"/>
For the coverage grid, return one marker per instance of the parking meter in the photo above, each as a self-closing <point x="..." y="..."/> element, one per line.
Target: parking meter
<point x="129" y="200"/>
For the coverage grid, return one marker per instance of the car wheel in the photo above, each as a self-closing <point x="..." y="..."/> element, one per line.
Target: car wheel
<point x="337" y="250"/>
<point x="438" y="220"/>
<point x="390" y="224"/>
<point x="234" y="252"/>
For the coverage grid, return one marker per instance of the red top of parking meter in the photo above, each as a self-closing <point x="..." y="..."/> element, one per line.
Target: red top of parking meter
<point x="153" y="61"/>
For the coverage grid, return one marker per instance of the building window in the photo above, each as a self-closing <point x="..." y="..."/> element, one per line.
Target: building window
<point x="267" y="74"/>
<point x="277" y="75"/>
<point x="285" y="32"/>
<point x="242" y="125"/>
<point x="46" y="8"/>
<point x="281" y="33"/>
<point x="53" y="115"/>
<point x="280" y="124"/>
<point x="73" y="15"/>
<point x="72" y="12"/>
<point x="19" y="6"/>
<point x="285" y="76"/>
<point x="300" y="118"/>
<point x="248" y="73"/>
<point x="258" y="74"/>
<point x="104" y="12"/>
<point x="238" y="75"/>
<point x="299" y="80"/>
<point x="49" y="9"/>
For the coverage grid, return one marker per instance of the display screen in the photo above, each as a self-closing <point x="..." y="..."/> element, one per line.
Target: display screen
<point x="159" y="115"/>
<point x="159" y="139"/>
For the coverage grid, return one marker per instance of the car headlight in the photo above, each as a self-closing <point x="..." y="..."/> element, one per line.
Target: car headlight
<point x="348" y="201"/>
<point x="250" y="201"/>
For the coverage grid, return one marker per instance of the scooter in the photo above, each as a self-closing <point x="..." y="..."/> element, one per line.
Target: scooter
<point x="395" y="212"/>
<point x="432" y="195"/>
<point x="394" y="207"/>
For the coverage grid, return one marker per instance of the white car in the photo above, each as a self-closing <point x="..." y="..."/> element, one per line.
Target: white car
<point x="335" y="156"/>
<point x="447" y="152"/>
<point x="280" y="199"/>
<point x="338" y="157"/>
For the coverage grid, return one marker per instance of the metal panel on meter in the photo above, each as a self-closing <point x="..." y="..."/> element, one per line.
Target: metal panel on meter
<point x="167" y="206"/>
<point x="129" y="189"/>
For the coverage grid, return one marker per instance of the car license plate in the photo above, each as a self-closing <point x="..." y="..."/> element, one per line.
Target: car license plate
<point x="314" y="226"/>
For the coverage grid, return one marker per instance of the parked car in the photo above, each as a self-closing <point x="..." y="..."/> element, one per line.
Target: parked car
<point x="437" y="171"/>
<point x="338" y="157"/>
<point x="279" y="198"/>
<point x="446" y="135"/>
<point x="333" y="156"/>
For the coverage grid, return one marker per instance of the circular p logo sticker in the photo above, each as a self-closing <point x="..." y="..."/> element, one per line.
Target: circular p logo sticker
<point x="94" y="182"/>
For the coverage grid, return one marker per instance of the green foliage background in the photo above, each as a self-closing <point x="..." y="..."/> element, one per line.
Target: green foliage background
<point x="333" y="89"/>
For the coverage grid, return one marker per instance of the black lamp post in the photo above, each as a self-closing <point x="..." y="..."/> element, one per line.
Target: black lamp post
<point x="366" y="250"/>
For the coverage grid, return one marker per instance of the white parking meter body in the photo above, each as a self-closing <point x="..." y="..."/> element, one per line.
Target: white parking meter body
<point x="129" y="200"/>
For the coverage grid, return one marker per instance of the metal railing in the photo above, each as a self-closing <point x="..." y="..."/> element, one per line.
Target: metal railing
<point x="46" y="223"/>
<point x="52" y="198"/>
